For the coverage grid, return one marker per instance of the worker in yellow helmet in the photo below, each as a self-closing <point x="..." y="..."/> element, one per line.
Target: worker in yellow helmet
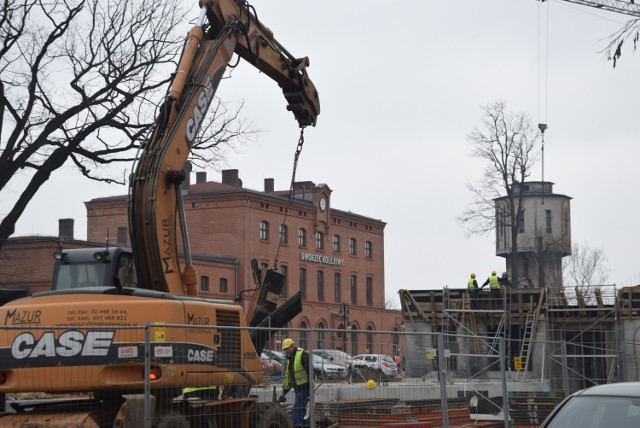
<point x="296" y="377"/>
<point x="472" y="286"/>
<point x="494" y="287"/>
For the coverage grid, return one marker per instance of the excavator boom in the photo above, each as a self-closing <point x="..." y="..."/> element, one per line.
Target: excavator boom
<point x="154" y="187"/>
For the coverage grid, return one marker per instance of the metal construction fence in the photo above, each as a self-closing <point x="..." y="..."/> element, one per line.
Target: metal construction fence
<point x="136" y="376"/>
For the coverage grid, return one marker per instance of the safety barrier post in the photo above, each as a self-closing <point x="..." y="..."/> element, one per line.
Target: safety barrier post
<point x="147" y="371"/>
<point x="442" y="365"/>
<point x="505" y="394"/>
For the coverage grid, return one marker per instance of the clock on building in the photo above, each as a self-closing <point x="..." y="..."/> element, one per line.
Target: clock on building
<point x="323" y="204"/>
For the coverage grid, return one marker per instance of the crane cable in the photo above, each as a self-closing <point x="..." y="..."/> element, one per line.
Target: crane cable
<point x="542" y="124"/>
<point x="291" y="194"/>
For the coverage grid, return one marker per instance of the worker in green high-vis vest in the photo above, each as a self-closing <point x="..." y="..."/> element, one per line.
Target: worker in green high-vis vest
<point x="296" y="377"/>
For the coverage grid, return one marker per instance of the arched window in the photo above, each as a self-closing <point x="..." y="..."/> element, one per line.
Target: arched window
<point x="368" y="249"/>
<point x="302" y="237"/>
<point x="321" y="342"/>
<point x="370" y="344"/>
<point x="303" y="334"/>
<point x="354" y="340"/>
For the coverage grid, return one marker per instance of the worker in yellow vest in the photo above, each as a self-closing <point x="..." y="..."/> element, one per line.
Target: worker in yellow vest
<point x="296" y="377"/>
<point x="494" y="286"/>
<point x="472" y="286"/>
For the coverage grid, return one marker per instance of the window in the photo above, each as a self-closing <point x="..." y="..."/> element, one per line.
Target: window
<point x="521" y="223"/>
<point x="321" y="328"/>
<point x="319" y="241"/>
<point x="369" y="291"/>
<point x="204" y="283"/>
<point x="354" y="340"/>
<point x="336" y="243"/>
<point x="370" y="339"/>
<point x="336" y="287"/>
<point x="223" y="285"/>
<point x="302" y="237"/>
<point x="321" y="286"/>
<point x="548" y="220"/>
<point x="354" y="289"/>
<point x="303" y="334"/>
<point x="352" y="246"/>
<point x="264" y="230"/>
<point x="123" y="233"/>
<point x="368" y="250"/>
<point x="284" y="270"/>
<point x="284" y="233"/>
<point x="303" y="283"/>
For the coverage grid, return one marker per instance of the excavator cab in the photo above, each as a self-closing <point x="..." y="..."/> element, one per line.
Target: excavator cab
<point x="93" y="267"/>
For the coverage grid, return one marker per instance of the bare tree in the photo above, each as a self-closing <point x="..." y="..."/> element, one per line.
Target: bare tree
<point x="630" y="30"/>
<point x="80" y="83"/>
<point x="585" y="266"/>
<point x="391" y="302"/>
<point x="507" y="146"/>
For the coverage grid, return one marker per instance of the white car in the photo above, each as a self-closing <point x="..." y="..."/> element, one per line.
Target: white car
<point x="335" y="356"/>
<point x="325" y="369"/>
<point x="381" y="362"/>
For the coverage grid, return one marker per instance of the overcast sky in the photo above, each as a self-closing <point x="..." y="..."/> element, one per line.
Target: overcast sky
<point x="401" y="85"/>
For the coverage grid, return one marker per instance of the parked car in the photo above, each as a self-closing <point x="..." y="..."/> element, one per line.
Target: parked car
<point x="276" y="355"/>
<point x="271" y="366"/>
<point x="335" y="356"/>
<point x="611" y="405"/>
<point x="325" y="369"/>
<point x="383" y="363"/>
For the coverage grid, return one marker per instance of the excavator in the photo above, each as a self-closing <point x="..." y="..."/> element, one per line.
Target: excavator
<point x="117" y="348"/>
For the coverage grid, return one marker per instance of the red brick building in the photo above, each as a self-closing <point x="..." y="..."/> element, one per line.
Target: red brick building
<point x="335" y="258"/>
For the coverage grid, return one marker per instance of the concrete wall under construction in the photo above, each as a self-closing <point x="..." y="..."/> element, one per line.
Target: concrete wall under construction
<point x="630" y="347"/>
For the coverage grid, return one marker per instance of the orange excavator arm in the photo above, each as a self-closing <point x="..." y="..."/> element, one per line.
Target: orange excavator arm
<point x="225" y="27"/>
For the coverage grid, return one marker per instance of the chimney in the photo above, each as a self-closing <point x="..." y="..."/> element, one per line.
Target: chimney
<point x="65" y="228"/>
<point x="201" y="177"/>
<point x="230" y="176"/>
<point x="268" y="185"/>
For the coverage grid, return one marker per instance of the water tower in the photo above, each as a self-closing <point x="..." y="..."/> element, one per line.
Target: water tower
<point x="544" y="234"/>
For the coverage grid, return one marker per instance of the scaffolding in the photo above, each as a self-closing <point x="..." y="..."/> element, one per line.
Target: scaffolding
<point x="582" y="323"/>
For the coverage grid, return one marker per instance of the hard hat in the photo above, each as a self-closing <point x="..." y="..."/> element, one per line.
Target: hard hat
<point x="287" y="343"/>
<point x="371" y="384"/>
<point x="473" y="274"/>
<point x="504" y="274"/>
<point x="493" y="272"/>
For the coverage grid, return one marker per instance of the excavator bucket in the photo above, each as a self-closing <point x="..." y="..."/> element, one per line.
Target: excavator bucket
<point x="278" y="319"/>
<point x="268" y="297"/>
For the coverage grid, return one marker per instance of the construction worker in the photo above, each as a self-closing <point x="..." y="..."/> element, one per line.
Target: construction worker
<point x="296" y="377"/>
<point x="472" y="286"/>
<point x="494" y="286"/>
<point x="505" y="281"/>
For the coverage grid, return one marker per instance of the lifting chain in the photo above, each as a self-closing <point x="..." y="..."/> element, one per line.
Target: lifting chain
<point x="290" y="203"/>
